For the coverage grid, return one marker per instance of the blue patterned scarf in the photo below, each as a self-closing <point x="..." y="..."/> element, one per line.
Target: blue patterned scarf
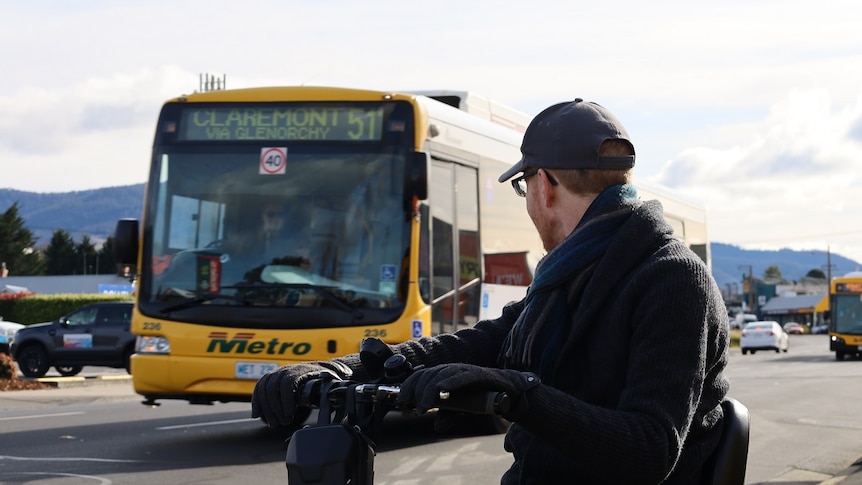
<point x="540" y="331"/>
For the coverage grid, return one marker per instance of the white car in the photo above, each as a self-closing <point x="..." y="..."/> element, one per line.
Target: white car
<point x="7" y="334"/>
<point x="763" y="335"/>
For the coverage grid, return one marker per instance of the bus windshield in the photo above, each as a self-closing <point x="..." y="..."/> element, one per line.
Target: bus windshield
<point x="847" y="314"/>
<point x="330" y="231"/>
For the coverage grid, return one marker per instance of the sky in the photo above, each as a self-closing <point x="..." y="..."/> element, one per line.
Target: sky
<point x="751" y="108"/>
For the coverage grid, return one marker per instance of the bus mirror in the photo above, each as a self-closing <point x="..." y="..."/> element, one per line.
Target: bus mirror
<point x="126" y="242"/>
<point x="417" y="177"/>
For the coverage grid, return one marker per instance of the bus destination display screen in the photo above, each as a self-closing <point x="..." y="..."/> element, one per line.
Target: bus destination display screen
<point x="283" y="121"/>
<point x="852" y="288"/>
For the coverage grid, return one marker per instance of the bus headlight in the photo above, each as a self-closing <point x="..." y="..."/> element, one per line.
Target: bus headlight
<point x="152" y="345"/>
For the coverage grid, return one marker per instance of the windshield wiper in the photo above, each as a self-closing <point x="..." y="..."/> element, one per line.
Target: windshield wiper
<point x="199" y="300"/>
<point x="323" y="291"/>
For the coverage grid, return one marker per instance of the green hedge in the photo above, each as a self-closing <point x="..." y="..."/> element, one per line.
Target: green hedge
<point x="734" y="337"/>
<point x="46" y="308"/>
<point x="7" y="309"/>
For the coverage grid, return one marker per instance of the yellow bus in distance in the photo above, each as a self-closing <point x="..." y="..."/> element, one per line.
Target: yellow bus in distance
<point x="845" y="315"/>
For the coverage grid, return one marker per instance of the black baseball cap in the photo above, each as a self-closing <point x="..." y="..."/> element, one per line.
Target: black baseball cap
<point x="568" y="135"/>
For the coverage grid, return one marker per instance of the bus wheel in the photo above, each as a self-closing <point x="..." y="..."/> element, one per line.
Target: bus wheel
<point x="494" y="424"/>
<point x="478" y="424"/>
<point x="839" y="355"/>
<point x="127" y="360"/>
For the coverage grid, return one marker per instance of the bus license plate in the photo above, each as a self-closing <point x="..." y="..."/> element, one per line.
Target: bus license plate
<point x="253" y="370"/>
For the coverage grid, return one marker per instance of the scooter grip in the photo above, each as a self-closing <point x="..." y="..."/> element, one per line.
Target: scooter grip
<point x="491" y="402"/>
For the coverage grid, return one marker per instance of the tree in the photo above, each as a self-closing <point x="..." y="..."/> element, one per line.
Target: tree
<point x="85" y="253"/>
<point x="816" y="273"/>
<point x="18" y="245"/>
<point x="107" y="262"/>
<point x="61" y="254"/>
<point x="772" y="273"/>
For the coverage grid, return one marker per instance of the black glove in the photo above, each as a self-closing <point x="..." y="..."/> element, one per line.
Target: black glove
<point x="274" y="399"/>
<point x="422" y="388"/>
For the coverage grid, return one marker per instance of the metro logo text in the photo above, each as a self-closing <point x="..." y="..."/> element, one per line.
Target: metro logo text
<point x="244" y="343"/>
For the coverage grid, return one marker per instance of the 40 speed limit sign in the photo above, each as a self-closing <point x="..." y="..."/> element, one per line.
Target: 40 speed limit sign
<point x="273" y="160"/>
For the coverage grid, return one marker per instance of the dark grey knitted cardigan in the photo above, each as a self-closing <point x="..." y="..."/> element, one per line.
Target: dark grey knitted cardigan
<point x="640" y="377"/>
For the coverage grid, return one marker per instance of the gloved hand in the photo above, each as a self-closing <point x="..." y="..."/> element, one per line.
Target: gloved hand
<point x="274" y="399"/>
<point x="422" y="388"/>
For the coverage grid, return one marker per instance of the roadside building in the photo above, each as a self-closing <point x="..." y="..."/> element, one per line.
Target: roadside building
<point x="805" y="309"/>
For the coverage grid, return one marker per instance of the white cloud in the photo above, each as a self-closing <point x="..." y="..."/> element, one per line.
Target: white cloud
<point x="793" y="183"/>
<point x="92" y="134"/>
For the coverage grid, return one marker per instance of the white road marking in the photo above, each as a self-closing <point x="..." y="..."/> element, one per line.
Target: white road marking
<point x="12" y="418"/>
<point x="442" y="463"/>
<point x="103" y="481"/>
<point x="66" y="458"/>
<point x="408" y="466"/>
<point x="211" y="423"/>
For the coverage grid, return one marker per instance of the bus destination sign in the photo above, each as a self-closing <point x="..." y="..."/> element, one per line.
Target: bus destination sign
<point x="284" y="122"/>
<point x="851" y="287"/>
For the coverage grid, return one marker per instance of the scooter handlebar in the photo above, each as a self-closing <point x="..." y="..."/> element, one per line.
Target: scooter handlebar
<point x="485" y="402"/>
<point x="316" y="393"/>
<point x="489" y="402"/>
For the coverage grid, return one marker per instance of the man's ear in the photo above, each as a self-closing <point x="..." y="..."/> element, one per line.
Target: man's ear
<point x="548" y="191"/>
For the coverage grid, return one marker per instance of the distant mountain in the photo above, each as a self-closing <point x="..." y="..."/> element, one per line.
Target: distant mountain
<point x="730" y="262"/>
<point x="95" y="213"/>
<point x="92" y="212"/>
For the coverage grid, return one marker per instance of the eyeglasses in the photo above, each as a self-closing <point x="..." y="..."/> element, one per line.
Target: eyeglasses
<point x="520" y="183"/>
<point x="273" y="215"/>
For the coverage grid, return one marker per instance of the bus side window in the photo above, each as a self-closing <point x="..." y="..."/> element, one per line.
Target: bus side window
<point x="455" y="253"/>
<point x="469" y="259"/>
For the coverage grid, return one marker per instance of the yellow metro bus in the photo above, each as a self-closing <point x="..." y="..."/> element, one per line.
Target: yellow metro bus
<point x="390" y="224"/>
<point x="845" y="315"/>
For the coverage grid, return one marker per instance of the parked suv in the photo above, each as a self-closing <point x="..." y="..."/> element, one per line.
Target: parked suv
<point x="96" y="334"/>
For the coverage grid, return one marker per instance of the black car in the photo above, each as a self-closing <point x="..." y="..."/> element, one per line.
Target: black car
<point x="97" y="334"/>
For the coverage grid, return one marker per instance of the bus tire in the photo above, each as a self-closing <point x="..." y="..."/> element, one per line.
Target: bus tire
<point x="497" y="425"/>
<point x="475" y="424"/>
<point x="839" y="355"/>
<point x="127" y="360"/>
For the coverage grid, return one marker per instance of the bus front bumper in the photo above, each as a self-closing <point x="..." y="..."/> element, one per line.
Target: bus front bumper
<point x="199" y="380"/>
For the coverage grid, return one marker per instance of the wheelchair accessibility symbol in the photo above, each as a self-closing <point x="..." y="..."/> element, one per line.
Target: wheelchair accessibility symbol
<point x="387" y="272"/>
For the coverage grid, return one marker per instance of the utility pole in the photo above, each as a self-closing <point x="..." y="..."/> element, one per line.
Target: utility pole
<point x="829" y="267"/>
<point x="750" y="285"/>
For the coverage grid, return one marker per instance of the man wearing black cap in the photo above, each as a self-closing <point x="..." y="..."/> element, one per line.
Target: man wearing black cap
<point x="615" y="358"/>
